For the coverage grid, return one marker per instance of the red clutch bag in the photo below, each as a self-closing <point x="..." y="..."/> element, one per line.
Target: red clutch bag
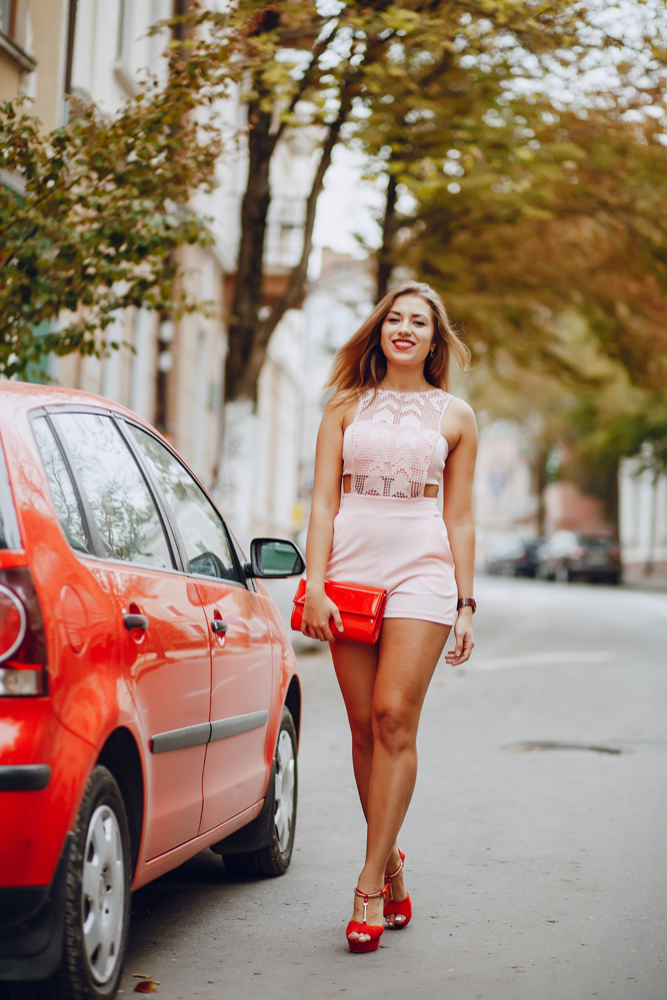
<point x="361" y="609"/>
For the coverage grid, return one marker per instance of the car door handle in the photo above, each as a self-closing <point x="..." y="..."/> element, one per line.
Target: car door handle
<point x="219" y="625"/>
<point x="135" y="621"/>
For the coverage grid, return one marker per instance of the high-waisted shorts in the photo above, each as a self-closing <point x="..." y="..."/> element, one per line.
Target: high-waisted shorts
<point x="400" y="545"/>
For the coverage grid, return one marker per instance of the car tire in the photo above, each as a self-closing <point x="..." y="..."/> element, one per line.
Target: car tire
<point x="274" y="859"/>
<point x="97" y="902"/>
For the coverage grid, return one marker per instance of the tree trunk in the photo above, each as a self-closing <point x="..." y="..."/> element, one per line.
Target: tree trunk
<point x="257" y="339"/>
<point x="389" y="226"/>
<point x="248" y="290"/>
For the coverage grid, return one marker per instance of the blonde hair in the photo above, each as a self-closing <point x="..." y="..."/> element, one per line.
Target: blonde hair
<point x="360" y="363"/>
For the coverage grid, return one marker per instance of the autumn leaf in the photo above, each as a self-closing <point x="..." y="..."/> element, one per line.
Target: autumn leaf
<point x="146" y="986"/>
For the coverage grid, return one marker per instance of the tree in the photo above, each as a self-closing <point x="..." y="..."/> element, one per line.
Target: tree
<point x="300" y="63"/>
<point x="523" y="209"/>
<point x="101" y="214"/>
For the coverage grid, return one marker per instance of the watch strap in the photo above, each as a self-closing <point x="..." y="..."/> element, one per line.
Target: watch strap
<point x="467" y="602"/>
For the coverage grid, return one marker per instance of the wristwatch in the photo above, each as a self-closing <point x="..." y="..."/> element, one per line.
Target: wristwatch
<point x="467" y="602"/>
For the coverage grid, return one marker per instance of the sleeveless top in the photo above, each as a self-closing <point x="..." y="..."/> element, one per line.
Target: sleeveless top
<point x="393" y="447"/>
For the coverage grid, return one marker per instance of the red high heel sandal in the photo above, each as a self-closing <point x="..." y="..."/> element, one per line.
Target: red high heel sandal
<point x="374" y="930"/>
<point x="397" y="908"/>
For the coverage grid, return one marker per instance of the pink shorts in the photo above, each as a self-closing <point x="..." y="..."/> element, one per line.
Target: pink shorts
<point x="400" y="545"/>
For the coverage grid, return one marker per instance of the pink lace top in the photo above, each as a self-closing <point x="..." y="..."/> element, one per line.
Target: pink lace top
<point x="394" y="447"/>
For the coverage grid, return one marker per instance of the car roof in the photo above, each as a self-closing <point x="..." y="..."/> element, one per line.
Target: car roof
<point x="21" y="396"/>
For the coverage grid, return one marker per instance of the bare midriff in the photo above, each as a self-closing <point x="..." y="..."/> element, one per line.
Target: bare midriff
<point x="430" y="490"/>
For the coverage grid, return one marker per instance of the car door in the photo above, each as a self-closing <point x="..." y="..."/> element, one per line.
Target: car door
<point x="164" y="646"/>
<point x="236" y="768"/>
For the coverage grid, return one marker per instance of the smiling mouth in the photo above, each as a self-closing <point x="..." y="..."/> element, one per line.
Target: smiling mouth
<point x="403" y="345"/>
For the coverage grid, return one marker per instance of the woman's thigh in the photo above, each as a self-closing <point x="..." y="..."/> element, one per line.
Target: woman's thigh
<point x="408" y="655"/>
<point x="356" y="666"/>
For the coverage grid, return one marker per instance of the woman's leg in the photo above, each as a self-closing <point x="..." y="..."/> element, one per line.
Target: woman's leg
<point x="356" y="666"/>
<point x="409" y="650"/>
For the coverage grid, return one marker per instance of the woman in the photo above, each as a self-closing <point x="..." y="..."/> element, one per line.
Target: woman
<point x="387" y="433"/>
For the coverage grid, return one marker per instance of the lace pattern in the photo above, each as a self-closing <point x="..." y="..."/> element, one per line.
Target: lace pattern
<point x="392" y="440"/>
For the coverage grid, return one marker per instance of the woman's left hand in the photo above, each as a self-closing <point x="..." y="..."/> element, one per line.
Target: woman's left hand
<point x="463" y="632"/>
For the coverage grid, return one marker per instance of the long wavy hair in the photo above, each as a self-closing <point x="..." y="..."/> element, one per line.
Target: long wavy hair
<point x="360" y="363"/>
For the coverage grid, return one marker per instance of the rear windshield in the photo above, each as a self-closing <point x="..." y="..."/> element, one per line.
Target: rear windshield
<point x="596" y="542"/>
<point x="9" y="529"/>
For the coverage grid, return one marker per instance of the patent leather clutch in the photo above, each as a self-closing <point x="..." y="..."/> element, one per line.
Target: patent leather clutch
<point x="361" y="609"/>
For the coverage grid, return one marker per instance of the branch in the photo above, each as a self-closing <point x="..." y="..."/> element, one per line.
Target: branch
<point x="294" y="290"/>
<point x="309" y="73"/>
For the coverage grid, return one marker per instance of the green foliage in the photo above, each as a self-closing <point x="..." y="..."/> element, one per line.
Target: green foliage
<point x="601" y="440"/>
<point x="521" y="206"/>
<point x="101" y="214"/>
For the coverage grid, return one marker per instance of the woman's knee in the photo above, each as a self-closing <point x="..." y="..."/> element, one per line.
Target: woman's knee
<point x="394" y="727"/>
<point x="362" y="735"/>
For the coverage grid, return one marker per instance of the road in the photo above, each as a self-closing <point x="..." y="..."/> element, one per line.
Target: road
<point x="535" y="875"/>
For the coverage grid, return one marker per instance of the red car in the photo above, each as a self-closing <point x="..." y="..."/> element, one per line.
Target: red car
<point x="149" y="694"/>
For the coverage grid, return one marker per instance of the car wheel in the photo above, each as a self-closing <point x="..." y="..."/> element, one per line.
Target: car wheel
<point x="274" y="859"/>
<point x="97" y="903"/>
<point x="97" y="908"/>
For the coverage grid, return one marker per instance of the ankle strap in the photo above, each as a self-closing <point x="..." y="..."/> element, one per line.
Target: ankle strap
<point x="388" y="878"/>
<point x="368" y="895"/>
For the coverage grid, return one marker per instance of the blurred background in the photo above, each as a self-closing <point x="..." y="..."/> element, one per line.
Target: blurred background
<point x="515" y="163"/>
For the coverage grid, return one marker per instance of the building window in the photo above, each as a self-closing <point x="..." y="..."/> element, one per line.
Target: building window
<point x="6" y="10"/>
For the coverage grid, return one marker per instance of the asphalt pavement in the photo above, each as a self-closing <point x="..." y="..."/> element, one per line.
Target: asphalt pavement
<point x="536" y="873"/>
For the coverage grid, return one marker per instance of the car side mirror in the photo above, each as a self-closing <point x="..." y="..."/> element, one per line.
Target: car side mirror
<point x="274" y="558"/>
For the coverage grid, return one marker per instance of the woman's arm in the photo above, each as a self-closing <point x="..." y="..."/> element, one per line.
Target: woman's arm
<point x="318" y="608"/>
<point x="460" y="429"/>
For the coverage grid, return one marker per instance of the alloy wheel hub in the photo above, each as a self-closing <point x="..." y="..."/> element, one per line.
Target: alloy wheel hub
<point x="284" y="789"/>
<point x="103" y="893"/>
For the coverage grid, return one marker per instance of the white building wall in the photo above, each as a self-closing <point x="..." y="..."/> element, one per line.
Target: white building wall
<point x="642" y="521"/>
<point x="504" y="497"/>
<point x="336" y="305"/>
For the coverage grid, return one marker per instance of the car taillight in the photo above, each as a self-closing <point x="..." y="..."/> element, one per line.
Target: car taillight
<point x="22" y="647"/>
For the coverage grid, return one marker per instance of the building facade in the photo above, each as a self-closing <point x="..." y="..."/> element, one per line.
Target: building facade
<point x="337" y="303"/>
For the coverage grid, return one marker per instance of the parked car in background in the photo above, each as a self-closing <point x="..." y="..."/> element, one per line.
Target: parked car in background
<point x="510" y="555"/>
<point x="149" y="693"/>
<point x="569" y="556"/>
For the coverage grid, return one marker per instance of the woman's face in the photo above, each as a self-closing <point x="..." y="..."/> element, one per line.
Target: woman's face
<point x="406" y="336"/>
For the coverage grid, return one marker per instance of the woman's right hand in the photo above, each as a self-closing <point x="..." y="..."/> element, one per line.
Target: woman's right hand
<point x="318" y="610"/>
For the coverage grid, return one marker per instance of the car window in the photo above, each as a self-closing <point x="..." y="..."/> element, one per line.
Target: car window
<point x="9" y="529"/>
<point x="121" y="504"/>
<point x="595" y="542"/>
<point x="204" y="535"/>
<point x="62" y="490"/>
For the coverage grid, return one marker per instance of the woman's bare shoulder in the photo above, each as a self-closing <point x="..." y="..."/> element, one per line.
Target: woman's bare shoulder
<point x="340" y="412"/>
<point x="459" y="409"/>
<point x="458" y="423"/>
